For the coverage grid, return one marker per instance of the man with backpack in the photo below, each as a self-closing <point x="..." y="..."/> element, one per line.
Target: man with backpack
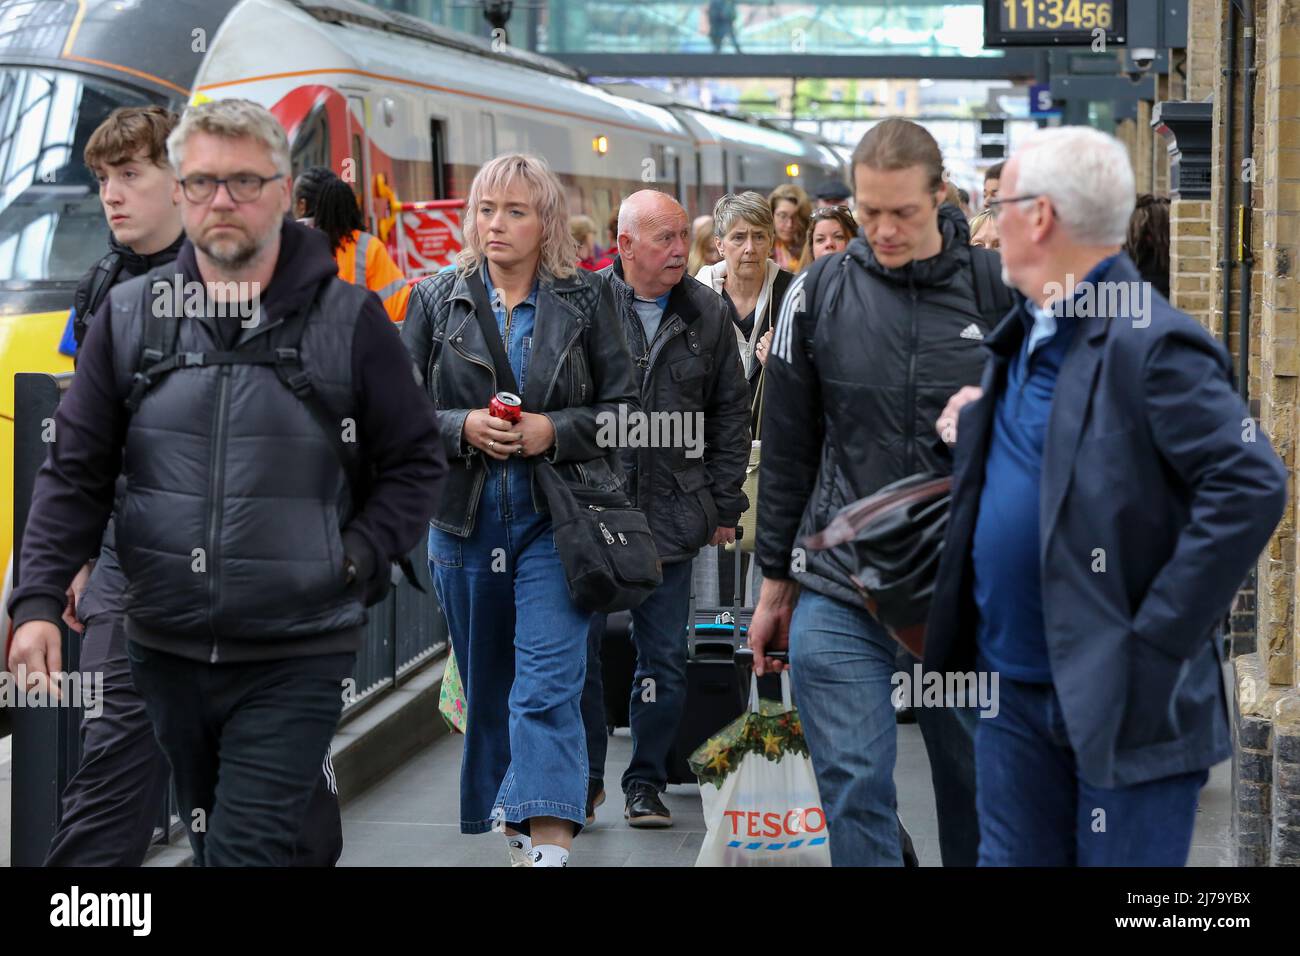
<point x="868" y="347"/>
<point x="279" y="455"/>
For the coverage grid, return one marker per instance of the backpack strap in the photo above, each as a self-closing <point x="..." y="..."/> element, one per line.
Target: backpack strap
<point x="105" y="274"/>
<point x="993" y="300"/>
<point x="159" y="358"/>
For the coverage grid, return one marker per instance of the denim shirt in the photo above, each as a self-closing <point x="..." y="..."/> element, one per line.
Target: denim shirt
<point x="519" y="342"/>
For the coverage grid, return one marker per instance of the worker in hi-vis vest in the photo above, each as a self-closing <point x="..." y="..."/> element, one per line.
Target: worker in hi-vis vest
<point x="328" y="203"/>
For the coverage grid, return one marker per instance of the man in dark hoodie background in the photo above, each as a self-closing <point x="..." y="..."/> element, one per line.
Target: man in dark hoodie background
<point x="248" y="551"/>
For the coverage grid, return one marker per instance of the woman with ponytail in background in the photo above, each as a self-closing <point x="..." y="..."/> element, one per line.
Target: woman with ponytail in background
<point x="331" y="206"/>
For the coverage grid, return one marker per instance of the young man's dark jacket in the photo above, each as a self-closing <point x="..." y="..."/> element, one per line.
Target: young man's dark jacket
<point x="578" y="369"/>
<point x="863" y="360"/>
<point x="239" y="519"/>
<point x="105" y="592"/>
<point x="692" y="367"/>
<point x="121" y="263"/>
<point x="1158" y="493"/>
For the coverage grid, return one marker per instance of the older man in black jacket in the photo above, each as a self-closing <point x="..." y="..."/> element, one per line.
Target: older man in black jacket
<point x="1111" y="493"/>
<point x="685" y="454"/>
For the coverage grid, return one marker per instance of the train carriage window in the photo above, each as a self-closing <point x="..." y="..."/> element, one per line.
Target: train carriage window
<point x="659" y="159"/>
<point x="358" y="179"/>
<point x="311" y="144"/>
<point x="438" y="158"/>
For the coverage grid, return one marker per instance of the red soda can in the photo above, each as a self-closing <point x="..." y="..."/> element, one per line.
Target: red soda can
<point x="506" y="405"/>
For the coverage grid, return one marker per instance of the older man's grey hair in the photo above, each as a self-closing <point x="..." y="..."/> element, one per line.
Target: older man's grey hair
<point x="634" y="209"/>
<point x="1087" y="176"/>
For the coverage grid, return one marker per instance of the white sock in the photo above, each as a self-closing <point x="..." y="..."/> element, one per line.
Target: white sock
<point x="548" y="854"/>
<point x="520" y="845"/>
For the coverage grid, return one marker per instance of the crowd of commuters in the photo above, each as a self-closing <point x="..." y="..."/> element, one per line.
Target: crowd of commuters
<point x="203" y="526"/>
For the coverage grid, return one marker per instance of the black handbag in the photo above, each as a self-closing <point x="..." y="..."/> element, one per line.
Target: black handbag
<point x="896" y="540"/>
<point x="605" y="545"/>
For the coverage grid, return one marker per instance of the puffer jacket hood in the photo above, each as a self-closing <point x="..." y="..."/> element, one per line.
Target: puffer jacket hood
<point x="935" y="270"/>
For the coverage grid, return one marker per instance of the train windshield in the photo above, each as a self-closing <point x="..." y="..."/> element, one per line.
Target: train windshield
<point x="51" y="226"/>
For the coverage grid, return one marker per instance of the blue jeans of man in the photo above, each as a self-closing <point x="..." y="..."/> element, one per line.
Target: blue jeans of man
<point x="842" y="664"/>
<point x="521" y="645"/>
<point x="658" y="688"/>
<point x="1035" y="810"/>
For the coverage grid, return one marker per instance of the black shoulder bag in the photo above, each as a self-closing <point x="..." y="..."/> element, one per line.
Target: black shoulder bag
<point x="605" y="545"/>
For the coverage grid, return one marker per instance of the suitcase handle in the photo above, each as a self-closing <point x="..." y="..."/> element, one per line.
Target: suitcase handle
<point x="736" y="591"/>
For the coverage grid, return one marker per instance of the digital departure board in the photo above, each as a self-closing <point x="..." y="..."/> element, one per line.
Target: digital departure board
<point x="1052" y="22"/>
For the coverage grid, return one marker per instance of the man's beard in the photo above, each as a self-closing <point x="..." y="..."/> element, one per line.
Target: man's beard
<point x="236" y="258"/>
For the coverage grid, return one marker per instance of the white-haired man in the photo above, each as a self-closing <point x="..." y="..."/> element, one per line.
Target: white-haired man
<point x="249" y="541"/>
<point x="1111" y="492"/>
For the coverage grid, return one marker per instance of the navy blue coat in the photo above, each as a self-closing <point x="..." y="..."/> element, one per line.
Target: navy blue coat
<point x="1152" y="470"/>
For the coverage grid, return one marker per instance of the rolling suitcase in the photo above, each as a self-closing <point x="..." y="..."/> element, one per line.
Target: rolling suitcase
<point x="715" y="694"/>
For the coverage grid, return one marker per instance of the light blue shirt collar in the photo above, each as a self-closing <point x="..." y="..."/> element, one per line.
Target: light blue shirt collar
<point x="1044" y="325"/>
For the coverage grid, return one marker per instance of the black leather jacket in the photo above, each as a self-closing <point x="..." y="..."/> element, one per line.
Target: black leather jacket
<point x="578" y="368"/>
<point x="692" y="367"/>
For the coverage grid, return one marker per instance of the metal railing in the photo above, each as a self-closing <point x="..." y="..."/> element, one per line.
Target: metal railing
<point x="404" y="632"/>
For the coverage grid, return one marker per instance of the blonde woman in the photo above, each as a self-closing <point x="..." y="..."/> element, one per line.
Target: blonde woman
<point x="519" y="640"/>
<point x="984" y="230"/>
<point x="791" y="213"/>
<point x="704" y="252"/>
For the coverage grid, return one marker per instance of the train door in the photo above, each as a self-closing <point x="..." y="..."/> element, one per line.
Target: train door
<point x="358" y="141"/>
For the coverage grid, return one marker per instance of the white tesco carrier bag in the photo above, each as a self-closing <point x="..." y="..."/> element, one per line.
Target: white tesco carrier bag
<point x="761" y="805"/>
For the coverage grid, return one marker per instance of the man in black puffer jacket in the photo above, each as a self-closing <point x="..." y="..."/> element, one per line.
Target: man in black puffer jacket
<point x="114" y="799"/>
<point x="870" y="344"/>
<point x="251" y="534"/>
<point x="690" y="377"/>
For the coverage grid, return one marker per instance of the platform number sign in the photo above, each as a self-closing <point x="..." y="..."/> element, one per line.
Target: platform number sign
<point x="1053" y="22"/>
<point x="1041" y="103"/>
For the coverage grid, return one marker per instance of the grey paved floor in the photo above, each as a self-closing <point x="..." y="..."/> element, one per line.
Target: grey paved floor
<point x="410" y="818"/>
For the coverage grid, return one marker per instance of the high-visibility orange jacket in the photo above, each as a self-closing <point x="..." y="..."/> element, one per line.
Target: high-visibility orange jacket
<point x="363" y="260"/>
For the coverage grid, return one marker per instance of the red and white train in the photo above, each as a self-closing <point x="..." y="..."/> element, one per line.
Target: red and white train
<point x="368" y="92"/>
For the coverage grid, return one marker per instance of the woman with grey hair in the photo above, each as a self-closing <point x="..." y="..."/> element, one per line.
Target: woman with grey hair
<point x="747" y="277"/>
<point x="754" y="286"/>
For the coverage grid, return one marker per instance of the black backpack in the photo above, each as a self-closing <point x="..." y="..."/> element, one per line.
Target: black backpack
<point x="159" y="357"/>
